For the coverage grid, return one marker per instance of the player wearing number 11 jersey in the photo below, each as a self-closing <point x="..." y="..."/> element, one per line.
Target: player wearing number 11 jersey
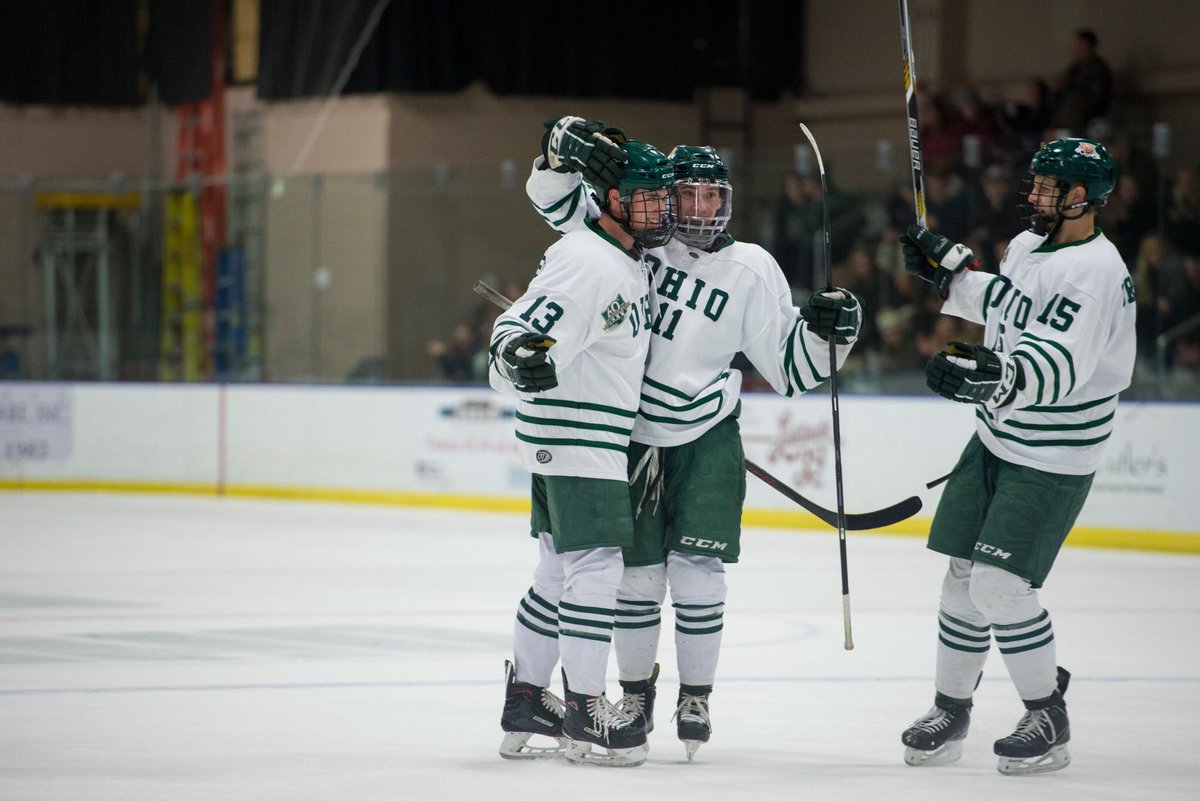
<point x="715" y="297"/>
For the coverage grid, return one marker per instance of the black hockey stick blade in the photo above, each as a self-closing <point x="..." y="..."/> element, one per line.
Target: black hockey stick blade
<point x="880" y="518"/>
<point x="866" y="521"/>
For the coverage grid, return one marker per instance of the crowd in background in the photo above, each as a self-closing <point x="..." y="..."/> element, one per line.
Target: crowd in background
<point x="975" y="156"/>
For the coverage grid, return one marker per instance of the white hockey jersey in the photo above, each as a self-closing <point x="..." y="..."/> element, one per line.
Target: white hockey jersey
<point x="709" y="306"/>
<point x="593" y="298"/>
<point x="1066" y="314"/>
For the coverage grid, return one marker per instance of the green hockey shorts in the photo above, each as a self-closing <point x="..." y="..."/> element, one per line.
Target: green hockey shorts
<point x="1014" y="517"/>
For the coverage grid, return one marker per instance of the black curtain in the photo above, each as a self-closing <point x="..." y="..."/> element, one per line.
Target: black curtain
<point x="178" y="49"/>
<point x="69" y="52"/>
<point x="654" y="51"/>
<point x="93" y="53"/>
<point x="87" y="52"/>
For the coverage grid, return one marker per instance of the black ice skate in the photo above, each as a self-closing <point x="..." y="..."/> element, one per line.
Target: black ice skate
<point x="1039" y="744"/>
<point x="692" y="723"/>
<point x="530" y="710"/>
<point x="592" y="721"/>
<point x="638" y="700"/>
<point x="937" y="738"/>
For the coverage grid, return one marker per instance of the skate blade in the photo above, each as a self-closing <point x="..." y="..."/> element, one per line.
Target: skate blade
<point x="582" y="754"/>
<point x="1056" y="758"/>
<point x="515" y="746"/>
<point x="948" y="753"/>
<point x="690" y="747"/>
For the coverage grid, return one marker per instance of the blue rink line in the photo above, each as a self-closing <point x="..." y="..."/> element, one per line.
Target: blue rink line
<point x="396" y="685"/>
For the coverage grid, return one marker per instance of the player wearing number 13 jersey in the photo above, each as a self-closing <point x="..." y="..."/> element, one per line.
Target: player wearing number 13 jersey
<point x="715" y="297"/>
<point x="573" y="349"/>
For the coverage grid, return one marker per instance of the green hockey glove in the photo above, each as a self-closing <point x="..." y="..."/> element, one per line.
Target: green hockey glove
<point x="835" y="313"/>
<point x="524" y="362"/>
<point x="573" y="144"/>
<point x="975" y="374"/>
<point x="934" y="258"/>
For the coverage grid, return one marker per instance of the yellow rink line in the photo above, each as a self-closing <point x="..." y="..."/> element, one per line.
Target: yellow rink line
<point x="1082" y="536"/>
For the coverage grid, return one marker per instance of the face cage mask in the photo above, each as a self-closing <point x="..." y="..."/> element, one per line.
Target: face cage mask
<point x="1048" y="224"/>
<point x="659" y="233"/>
<point x="701" y="232"/>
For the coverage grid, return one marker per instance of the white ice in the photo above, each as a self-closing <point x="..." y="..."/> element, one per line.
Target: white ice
<point x="171" y="648"/>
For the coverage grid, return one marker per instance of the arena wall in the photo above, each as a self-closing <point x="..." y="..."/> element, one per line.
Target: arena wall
<point x="454" y="448"/>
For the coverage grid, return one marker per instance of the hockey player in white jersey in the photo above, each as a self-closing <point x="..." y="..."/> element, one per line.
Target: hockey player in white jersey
<point x="715" y="297"/>
<point x="572" y="349"/>
<point x="1058" y="347"/>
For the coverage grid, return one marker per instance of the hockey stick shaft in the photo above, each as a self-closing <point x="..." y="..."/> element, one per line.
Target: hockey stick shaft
<point x="833" y="394"/>
<point x="910" y="102"/>
<point x="880" y="518"/>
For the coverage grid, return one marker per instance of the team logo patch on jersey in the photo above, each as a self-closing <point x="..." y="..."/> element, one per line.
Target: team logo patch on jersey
<point x="1087" y="149"/>
<point x="615" y="314"/>
<point x="543" y="457"/>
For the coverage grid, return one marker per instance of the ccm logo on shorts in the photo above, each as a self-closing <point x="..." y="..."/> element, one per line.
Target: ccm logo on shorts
<point x="991" y="550"/>
<point x="711" y="545"/>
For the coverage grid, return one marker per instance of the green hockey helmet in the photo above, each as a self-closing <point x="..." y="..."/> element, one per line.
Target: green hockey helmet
<point x="1068" y="161"/>
<point x="1074" y="160"/>
<point x="649" y="203"/>
<point x="705" y="195"/>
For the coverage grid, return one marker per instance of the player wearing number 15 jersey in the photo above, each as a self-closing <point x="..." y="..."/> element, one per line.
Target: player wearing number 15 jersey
<point x="1058" y="347"/>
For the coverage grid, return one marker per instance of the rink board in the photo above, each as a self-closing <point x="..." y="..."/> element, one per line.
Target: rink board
<point x="455" y="447"/>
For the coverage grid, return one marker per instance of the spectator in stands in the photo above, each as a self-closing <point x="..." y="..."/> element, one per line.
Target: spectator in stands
<point x="1085" y="90"/>
<point x="997" y="218"/>
<point x="948" y="204"/>
<point x="791" y="227"/>
<point x="1183" y="211"/>
<point x="1180" y="302"/>
<point x="1027" y="119"/>
<point x="462" y="358"/>
<point x="941" y="139"/>
<point x="1152" y="306"/>
<point x="975" y="122"/>
<point x="1129" y="216"/>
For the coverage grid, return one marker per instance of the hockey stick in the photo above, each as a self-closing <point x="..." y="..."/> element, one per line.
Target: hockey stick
<point x="833" y="394"/>
<point x="880" y="518"/>
<point x="914" y="130"/>
<point x="914" y="140"/>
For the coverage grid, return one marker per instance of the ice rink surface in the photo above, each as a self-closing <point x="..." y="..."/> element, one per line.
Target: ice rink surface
<point x="171" y="647"/>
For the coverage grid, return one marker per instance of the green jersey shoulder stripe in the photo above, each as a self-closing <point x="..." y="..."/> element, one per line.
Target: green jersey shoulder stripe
<point x="546" y="211"/>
